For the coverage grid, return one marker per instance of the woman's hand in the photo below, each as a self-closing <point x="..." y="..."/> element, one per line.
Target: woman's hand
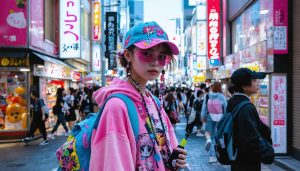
<point x="181" y="161"/>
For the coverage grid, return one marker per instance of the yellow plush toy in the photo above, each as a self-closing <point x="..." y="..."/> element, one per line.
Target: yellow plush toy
<point x="14" y="113"/>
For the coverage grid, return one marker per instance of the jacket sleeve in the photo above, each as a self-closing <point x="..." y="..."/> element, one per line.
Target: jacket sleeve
<point x="250" y="142"/>
<point x="204" y="108"/>
<point x="113" y="143"/>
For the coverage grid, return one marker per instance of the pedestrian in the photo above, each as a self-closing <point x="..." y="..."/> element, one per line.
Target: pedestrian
<point x="171" y="109"/>
<point x="147" y="52"/>
<point x="212" y="111"/>
<point x="38" y="118"/>
<point x="71" y="115"/>
<point x="251" y="137"/>
<point x="194" y="118"/>
<point x="60" y="103"/>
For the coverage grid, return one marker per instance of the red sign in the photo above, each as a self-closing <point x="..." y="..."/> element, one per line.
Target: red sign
<point x="280" y="28"/>
<point x="97" y="21"/>
<point x="213" y="28"/>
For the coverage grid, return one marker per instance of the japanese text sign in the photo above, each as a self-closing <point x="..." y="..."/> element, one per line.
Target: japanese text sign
<point x="96" y="21"/>
<point x="213" y="29"/>
<point x="69" y="46"/>
<point x="278" y="112"/>
<point x="111" y="38"/>
<point x="280" y="15"/>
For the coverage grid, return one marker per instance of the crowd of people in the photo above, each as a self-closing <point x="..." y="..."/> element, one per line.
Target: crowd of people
<point x="147" y="52"/>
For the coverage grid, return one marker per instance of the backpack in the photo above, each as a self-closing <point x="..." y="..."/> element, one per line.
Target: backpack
<point x="225" y="153"/>
<point x="45" y="108"/>
<point x="76" y="152"/>
<point x="215" y="109"/>
<point x="198" y="104"/>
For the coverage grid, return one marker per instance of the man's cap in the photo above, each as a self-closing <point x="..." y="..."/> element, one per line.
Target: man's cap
<point x="147" y="35"/>
<point x="243" y="76"/>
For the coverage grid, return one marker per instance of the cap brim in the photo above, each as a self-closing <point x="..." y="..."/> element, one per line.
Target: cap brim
<point x="258" y="75"/>
<point x="146" y="44"/>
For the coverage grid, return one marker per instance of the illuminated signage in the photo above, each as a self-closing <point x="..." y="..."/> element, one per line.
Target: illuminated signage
<point x="97" y="21"/>
<point x="69" y="30"/>
<point x="213" y="28"/>
<point x="13" y="62"/>
<point x="111" y="39"/>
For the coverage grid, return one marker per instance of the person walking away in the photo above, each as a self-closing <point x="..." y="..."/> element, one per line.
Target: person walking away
<point x="194" y="118"/>
<point x="251" y="137"/>
<point x="61" y="115"/>
<point x="69" y="99"/>
<point x="147" y="52"/>
<point x="213" y="109"/>
<point x="38" y="119"/>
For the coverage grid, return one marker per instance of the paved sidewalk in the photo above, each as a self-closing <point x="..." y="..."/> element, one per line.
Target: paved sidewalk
<point x="197" y="156"/>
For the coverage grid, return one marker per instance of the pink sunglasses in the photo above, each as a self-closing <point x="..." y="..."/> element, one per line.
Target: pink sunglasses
<point x="146" y="56"/>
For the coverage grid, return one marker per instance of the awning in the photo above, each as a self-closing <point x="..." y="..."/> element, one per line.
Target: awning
<point x="12" y="54"/>
<point x="52" y="60"/>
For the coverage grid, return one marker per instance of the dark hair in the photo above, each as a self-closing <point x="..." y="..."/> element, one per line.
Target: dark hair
<point x="72" y="90"/>
<point x="156" y="92"/>
<point x="236" y="89"/>
<point x="35" y="93"/>
<point x="169" y="98"/>
<point x="202" y="85"/>
<point x="59" y="92"/>
<point x="199" y="93"/>
<point x="216" y="87"/>
<point x="230" y="88"/>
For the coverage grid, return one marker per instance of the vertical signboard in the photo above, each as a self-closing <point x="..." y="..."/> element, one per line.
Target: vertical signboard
<point x="69" y="31"/>
<point x="278" y="112"/>
<point x="96" y="21"/>
<point x="37" y="24"/>
<point x="280" y="26"/>
<point x="213" y="29"/>
<point x="111" y="39"/>
<point x="13" y="23"/>
<point x="96" y="54"/>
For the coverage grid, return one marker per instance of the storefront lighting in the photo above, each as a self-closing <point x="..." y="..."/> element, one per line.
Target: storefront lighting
<point x="264" y="12"/>
<point x="25" y="69"/>
<point x="40" y="66"/>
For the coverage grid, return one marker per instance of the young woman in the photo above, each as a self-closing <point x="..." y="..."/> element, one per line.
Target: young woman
<point x="61" y="115"/>
<point x="114" y="147"/>
<point x="213" y="108"/>
<point x="69" y="99"/>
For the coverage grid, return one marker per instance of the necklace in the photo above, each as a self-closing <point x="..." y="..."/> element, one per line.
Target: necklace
<point x="151" y="128"/>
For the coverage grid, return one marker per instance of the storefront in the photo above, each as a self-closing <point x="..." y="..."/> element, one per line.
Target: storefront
<point x="52" y="75"/>
<point x="14" y="72"/>
<point x="256" y="42"/>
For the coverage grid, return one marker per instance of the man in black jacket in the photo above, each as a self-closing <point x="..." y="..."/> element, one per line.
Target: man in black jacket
<point x="250" y="136"/>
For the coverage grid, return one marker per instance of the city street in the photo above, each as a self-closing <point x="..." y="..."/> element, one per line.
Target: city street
<point x="21" y="157"/>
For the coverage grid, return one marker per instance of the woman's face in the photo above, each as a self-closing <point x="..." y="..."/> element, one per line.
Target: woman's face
<point x="147" y="64"/>
<point x="253" y="88"/>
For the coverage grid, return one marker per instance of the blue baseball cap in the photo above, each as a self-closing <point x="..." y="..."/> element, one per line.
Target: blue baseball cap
<point x="147" y="35"/>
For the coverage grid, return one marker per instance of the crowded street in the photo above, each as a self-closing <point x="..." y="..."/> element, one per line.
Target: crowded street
<point x="37" y="158"/>
<point x="149" y="85"/>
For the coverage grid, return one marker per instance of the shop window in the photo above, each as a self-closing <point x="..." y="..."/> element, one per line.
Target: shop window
<point x="49" y="20"/>
<point x="13" y="101"/>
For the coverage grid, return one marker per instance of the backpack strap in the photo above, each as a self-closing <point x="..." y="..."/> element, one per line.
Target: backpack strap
<point x="131" y="110"/>
<point x="157" y="101"/>
<point x="238" y="107"/>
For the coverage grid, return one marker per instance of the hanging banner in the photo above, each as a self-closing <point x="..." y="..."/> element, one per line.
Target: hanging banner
<point x="111" y="39"/>
<point x="280" y="15"/>
<point x="278" y="112"/>
<point x="213" y="32"/>
<point x="96" y="21"/>
<point x="69" y="29"/>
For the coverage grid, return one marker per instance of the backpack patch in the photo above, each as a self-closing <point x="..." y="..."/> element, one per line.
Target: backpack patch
<point x="225" y="153"/>
<point x="214" y="106"/>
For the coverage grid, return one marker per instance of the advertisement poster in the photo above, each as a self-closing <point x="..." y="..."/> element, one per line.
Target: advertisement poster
<point x="69" y="30"/>
<point x="37" y="24"/>
<point x="213" y="29"/>
<point x="13" y="23"/>
<point x="201" y="38"/>
<point x="280" y="26"/>
<point x="278" y="112"/>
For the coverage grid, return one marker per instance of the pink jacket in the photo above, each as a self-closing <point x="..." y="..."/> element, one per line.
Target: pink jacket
<point x="114" y="147"/>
